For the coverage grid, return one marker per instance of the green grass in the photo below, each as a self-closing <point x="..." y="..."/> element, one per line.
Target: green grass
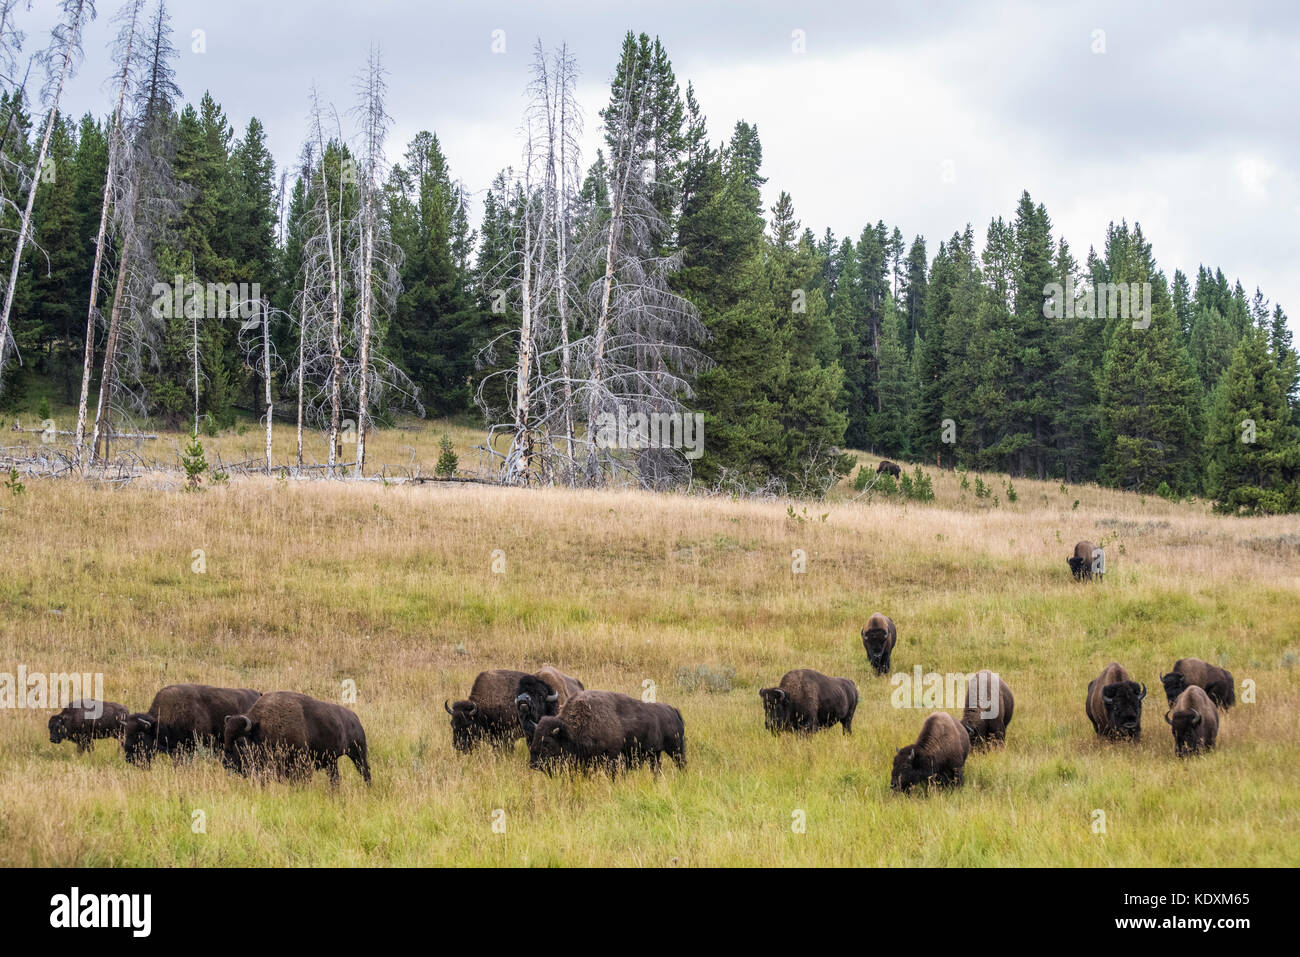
<point x="312" y="584"/>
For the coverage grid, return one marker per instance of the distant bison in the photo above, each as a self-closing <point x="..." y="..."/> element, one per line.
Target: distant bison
<point x="543" y="693"/>
<point x="889" y="467"/>
<point x="295" y="735"/>
<point x="1086" y="559"/>
<point x="181" y="718"/>
<point x="989" y="706"/>
<point x="809" y="701"/>
<point x="938" y="755"/>
<point x="879" y="638"/>
<point x="78" y="722"/>
<point x="1114" y="704"/>
<point x="1195" y="722"/>
<point x="609" y="730"/>
<point x="1217" y="682"/>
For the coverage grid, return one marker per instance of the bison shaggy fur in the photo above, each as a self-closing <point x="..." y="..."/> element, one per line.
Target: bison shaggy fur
<point x="1195" y="722"/>
<point x="295" y="735"/>
<point x="181" y="718"/>
<point x="609" y="730"/>
<point x="879" y="637"/>
<point x="937" y="757"/>
<point x="809" y="701"/>
<point x="77" y="722"/>
<point x="986" y="725"/>
<point x="1217" y="682"/>
<point x="489" y="713"/>
<point x="1114" y="704"/>
<point x="541" y="694"/>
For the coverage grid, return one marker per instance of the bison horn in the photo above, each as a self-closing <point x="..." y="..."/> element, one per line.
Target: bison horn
<point x="1197" y="722"/>
<point x="780" y="694"/>
<point x="1167" y="721"/>
<point x="473" y="708"/>
<point x="1144" y="692"/>
<point x="446" y="707"/>
<point x="553" y="696"/>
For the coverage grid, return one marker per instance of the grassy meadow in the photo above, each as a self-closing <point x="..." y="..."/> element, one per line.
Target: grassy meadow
<point x="309" y="585"/>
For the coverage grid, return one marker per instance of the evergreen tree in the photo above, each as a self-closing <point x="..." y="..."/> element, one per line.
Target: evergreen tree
<point x="1254" y="447"/>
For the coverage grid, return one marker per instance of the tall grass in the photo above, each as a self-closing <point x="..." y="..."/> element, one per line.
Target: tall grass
<point x="309" y="585"/>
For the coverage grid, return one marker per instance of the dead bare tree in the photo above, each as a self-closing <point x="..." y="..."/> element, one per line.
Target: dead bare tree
<point x="145" y="209"/>
<point x="61" y="58"/>
<point x="125" y="48"/>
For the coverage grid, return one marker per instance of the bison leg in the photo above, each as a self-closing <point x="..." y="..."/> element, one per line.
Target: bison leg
<point x="84" y="745"/>
<point x="332" y="769"/>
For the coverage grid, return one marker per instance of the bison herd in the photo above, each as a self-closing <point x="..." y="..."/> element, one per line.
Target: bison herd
<point x="565" y="725"/>
<point x="283" y="732"/>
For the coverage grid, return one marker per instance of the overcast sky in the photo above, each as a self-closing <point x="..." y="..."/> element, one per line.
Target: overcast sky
<point x="1185" y="123"/>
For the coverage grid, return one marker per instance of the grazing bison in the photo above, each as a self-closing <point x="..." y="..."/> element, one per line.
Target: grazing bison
<point x="989" y="706"/>
<point x="606" y="729"/>
<point x="543" y="693"/>
<point x="1114" y="704"/>
<point x="77" y="723"/>
<point x="938" y="755"/>
<point x="181" y="718"/>
<point x="489" y="713"/>
<point x="295" y="735"/>
<point x="879" y="638"/>
<point x="890" y="467"/>
<point x="1083" y="560"/>
<point x="1195" y="722"/>
<point x="809" y="701"/>
<point x="1189" y="672"/>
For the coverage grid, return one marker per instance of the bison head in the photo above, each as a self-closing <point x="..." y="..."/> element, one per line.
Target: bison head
<point x="235" y="743"/>
<point x="1186" y="725"/>
<point x="876" y="641"/>
<point x="912" y="766"/>
<point x="465" y="724"/>
<point x="535" y="700"/>
<point x="58" y="728"/>
<point x="776" y="709"/>
<point x="1078" y="566"/>
<point x="1175" y="683"/>
<point x="140" y="738"/>
<point x="549" y="744"/>
<point x="1123" y="703"/>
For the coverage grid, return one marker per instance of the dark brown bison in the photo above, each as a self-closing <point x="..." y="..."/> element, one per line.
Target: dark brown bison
<point x="1195" y="722"/>
<point x="543" y="693"/>
<point x="989" y="706"/>
<point x="489" y="713"/>
<point x="87" y="719"/>
<point x="1114" y="704"/>
<point x="889" y="467"/>
<point x="294" y="735"/>
<point x="609" y="730"/>
<point x="879" y="638"/>
<point x="182" y="718"/>
<point x="1084" y="560"/>
<point x="809" y="701"/>
<point x="1216" y="681"/>
<point x="937" y="757"/>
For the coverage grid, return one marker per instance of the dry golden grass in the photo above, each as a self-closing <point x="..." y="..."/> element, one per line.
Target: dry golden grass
<point x="311" y="584"/>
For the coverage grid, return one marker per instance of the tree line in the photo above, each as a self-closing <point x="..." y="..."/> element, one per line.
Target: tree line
<point x="649" y="281"/>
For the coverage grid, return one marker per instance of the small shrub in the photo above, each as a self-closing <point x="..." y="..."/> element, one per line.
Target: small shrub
<point x="43" y="408"/>
<point x="704" y="677"/>
<point x="447" y="461"/>
<point x="195" y="464"/>
<point x="1011" y="492"/>
<point x="12" y="483"/>
<point x="861" y="479"/>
